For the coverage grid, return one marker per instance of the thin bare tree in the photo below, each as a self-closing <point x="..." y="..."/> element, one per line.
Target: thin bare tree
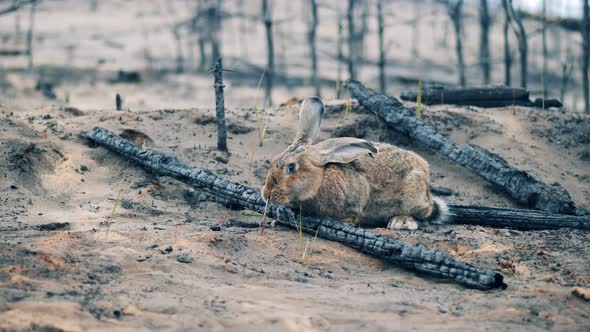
<point x="519" y="31"/>
<point x="380" y="31"/>
<point x="586" y="55"/>
<point x="351" y="40"/>
<point x="311" y="39"/>
<point x="455" y="10"/>
<point x="220" y="106"/>
<point x="339" y="46"/>
<point x="484" y="46"/>
<point x="507" y="52"/>
<point x="30" y="33"/>
<point x="270" y="63"/>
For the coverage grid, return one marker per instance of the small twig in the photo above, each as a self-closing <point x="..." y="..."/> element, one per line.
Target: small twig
<point x="113" y="212"/>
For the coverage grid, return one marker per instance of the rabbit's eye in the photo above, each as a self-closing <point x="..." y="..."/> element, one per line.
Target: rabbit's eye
<point x="291" y="168"/>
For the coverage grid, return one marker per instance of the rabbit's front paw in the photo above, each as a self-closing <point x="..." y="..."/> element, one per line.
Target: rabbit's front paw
<point x="402" y="222"/>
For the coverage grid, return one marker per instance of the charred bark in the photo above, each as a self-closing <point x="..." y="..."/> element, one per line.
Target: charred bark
<point x="220" y="107"/>
<point x="520" y="185"/>
<point x="412" y="257"/>
<point x="515" y="218"/>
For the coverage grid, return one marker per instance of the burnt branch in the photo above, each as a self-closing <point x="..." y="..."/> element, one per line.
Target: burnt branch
<point x="416" y="258"/>
<point x="520" y="185"/>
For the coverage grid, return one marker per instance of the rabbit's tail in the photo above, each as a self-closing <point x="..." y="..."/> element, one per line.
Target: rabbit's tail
<point x="440" y="212"/>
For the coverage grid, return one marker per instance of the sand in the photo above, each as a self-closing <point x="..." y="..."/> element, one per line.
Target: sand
<point x="141" y="252"/>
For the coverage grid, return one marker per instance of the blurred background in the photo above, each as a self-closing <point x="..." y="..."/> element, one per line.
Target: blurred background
<point x="157" y="53"/>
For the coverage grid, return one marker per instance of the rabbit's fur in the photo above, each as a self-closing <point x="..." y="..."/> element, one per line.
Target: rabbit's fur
<point x="351" y="179"/>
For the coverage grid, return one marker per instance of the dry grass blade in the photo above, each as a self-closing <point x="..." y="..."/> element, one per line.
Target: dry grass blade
<point x="419" y="101"/>
<point x="113" y="212"/>
<point x="263" y="224"/>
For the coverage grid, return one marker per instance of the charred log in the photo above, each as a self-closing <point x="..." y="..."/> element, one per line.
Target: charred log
<point x="412" y="257"/>
<point x="480" y="97"/>
<point x="520" y="185"/>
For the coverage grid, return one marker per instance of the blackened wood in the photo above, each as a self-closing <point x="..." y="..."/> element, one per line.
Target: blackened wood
<point x="220" y="106"/>
<point x="311" y="39"/>
<point x="412" y="257"/>
<point x="520" y="185"/>
<point x="468" y="96"/>
<point x="480" y="97"/>
<point x="515" y="218"/>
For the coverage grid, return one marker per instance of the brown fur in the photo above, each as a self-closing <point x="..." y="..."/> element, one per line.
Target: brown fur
<point x="372" y="190"/>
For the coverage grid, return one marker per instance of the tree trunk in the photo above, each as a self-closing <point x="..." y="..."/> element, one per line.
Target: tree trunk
<point x="518" y="27"/>
<point x="412" y="257"/>
<point x="179" y="56"/>
<point x="520" y="185"/>
<point x="544" y="41"/>
<point x="515" y="218"/>
<point x="340" y="43"/>
<point x="270" y="60"/>
<point x="566" y="71"/>
<point x="484" y="46"/>
<point x="351" y="40"/>
<point x="586" y="56"/>
<point x="380" y="31"/>
<point x="456" y="15"/>
<point x="311" y="38"/>
<point x="220" y="106"/>
<point x="31" y="34"/>
<point x="507" y="53"/>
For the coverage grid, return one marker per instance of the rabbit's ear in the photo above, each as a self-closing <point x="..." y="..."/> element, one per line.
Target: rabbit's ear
<point x="310" y="117"/>
<point x="341" y="150"/>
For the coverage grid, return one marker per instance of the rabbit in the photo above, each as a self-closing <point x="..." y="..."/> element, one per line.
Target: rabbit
<point x="351" y="179"/>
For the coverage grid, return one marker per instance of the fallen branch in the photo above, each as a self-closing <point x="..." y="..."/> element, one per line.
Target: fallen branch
<point x="515" y="218"/>
<point x="480" y="97"/>
<point x="520" y="185"/>
<point x="412" y="257"/>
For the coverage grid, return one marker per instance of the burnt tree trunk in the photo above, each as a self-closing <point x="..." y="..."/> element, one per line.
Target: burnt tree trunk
<point x="340" y="43"/>
<point x="311" y="38"/>
<point x="515" y="218"/>
<point x="270" y="53"/>
<point x="351" y="40"/>
<point x="179" y="56"/>
<point x="214" y="20"/>
<point x="520" y="185"/>
<point x="380" y="32"/>
<point x="412" y="257"/>
<point x="456" y="15"/>
<point x="484" y="41"/>
<point x="518" y="27"/>
<point x="586" y="55"/>
<point x="220" y="106"/>
<point x="507" y="53"/>
<point x="31" y="33"/>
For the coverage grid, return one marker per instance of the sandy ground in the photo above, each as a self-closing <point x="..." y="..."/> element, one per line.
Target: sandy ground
<point x="143" y="253"/>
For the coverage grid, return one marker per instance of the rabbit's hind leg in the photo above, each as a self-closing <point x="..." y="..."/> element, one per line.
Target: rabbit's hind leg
<point x="403" y="222"/>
